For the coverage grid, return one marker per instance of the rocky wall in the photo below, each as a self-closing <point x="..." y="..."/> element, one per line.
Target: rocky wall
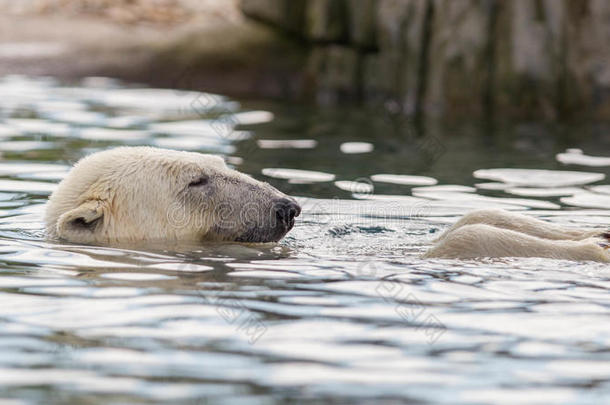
<point x="516" y="58"/>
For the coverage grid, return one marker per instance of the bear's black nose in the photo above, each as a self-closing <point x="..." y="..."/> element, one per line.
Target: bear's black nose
<point x="285" y="211"/>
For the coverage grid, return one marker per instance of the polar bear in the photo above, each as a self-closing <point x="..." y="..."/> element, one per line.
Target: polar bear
<point x="499" y="233"/>
<point x="135" y="194"/>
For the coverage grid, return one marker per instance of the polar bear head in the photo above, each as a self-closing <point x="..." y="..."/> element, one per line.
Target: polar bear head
<point x="133" y="194"/>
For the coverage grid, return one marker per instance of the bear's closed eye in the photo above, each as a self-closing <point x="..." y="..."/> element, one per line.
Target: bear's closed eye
<point x="202" y="181"/>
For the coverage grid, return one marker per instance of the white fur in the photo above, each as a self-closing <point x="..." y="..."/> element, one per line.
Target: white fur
<point x="132" y="194"/>
<point x="499" y="233"/>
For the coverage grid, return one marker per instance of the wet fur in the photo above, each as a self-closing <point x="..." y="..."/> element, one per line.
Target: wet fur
<point x="134" y="194"/>
<point x="499" y="233"/>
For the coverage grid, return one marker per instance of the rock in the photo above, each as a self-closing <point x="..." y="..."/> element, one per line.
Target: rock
<point x="288" y="15"/>
<point x="587" y="57"/>
<point x="363" y="23"/>
<point x="525" y="58"/>
<point x="400" y="36"/>
<point x="326" y="21"/>
<point x="457" y="73"/>
<point x="528" y="55"/>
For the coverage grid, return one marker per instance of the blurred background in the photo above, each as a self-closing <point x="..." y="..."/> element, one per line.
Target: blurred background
<point x="543" y="59"/>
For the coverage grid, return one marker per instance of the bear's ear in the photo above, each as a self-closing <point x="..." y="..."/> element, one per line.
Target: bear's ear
<point x="81" y="223"/>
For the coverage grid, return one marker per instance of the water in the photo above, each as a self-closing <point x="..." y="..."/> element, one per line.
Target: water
<point x="342" y="310"/>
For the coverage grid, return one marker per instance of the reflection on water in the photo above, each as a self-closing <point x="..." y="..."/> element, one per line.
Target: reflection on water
<point x="343" y="308"/>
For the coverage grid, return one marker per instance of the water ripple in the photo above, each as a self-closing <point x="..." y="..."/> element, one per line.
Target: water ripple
<point x="342" y="310"/>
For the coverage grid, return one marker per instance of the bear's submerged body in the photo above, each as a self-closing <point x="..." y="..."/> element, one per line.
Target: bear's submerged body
<point x="499" y="233"/>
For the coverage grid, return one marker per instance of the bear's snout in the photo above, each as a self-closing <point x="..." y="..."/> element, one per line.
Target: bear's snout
<point x="286" y="210"/>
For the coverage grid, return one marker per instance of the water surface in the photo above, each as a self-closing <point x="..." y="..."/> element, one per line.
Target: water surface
<point x="343" y="308"/>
